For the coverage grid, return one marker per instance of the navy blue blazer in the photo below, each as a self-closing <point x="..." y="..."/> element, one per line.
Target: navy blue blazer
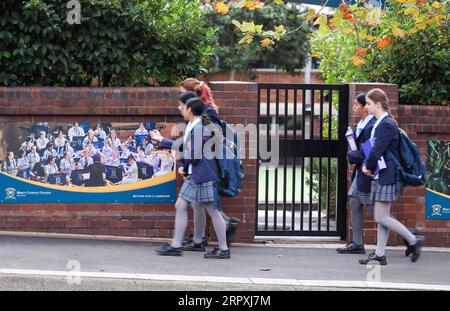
<point x="204" y="165"/>
<point x="386" y="138"/>
<point x="357" y="157"/>
<point x="212" y="115"/>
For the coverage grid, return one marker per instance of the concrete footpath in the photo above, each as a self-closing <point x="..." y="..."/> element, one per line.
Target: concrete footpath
<point x="104" y="265"/>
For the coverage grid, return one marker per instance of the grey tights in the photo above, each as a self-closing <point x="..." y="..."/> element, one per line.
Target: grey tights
<point x="181" y="219"/>
<point x="358" y="219"/>
<point x="385" y="223"/>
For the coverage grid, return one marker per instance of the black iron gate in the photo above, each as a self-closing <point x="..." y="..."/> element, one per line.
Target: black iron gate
<point x="302" y="191"/>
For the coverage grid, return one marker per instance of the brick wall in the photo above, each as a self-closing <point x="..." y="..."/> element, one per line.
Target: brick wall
<point x="266" y="76"/>
<point x="43" y="104"/>
<point x="422" y="123"/>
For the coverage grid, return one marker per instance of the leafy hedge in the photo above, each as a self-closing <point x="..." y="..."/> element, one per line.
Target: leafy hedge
<point x="117" y="43"/>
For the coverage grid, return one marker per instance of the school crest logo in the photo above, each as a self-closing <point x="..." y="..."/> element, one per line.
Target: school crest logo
<point x="10" y="194"/>
<point x="437" y="210"/>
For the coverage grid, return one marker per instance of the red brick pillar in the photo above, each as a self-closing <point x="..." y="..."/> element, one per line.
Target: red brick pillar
<point x="237" y="103"/>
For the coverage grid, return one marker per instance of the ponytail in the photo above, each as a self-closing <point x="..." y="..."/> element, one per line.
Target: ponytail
<point x="200" y="88"/>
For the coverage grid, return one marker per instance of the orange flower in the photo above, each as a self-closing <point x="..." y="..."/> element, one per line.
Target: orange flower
<point x="343" y="8"/>
<point x="372" y="23"/>
<point x="382" y="43"/>
<point x="221" y="8"/>
<point x="361" y="52"/>
<point x="420" y="3"/>
<point x="358" y="61"/>
<point x="330" y="23"/>
<point x="253" y="5"/>
<point x="266" y="42"/>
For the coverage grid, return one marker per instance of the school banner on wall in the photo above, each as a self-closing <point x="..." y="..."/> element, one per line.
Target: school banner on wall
<point x="85" y="163"/>
<point x="437" y="197"/>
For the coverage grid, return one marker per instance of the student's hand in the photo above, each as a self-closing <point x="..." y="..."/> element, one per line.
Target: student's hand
<point x="181" y="172"/>
<point x="367" y="172"/>
<point x="156" y="135"/>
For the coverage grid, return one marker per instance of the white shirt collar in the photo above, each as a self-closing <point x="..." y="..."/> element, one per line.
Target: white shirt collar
<point x="191" y="125"/>
<point x="362" y="123"/>
<point x="384" y="115"/>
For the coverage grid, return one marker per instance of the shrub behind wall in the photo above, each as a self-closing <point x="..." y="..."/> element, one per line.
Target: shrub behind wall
<point x="120" y="43"/>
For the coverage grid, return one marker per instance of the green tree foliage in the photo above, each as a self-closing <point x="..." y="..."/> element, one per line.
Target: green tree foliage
<point x="288" y="54"/>
<point x="117" y="42"/>
<point x="407" y="44"/>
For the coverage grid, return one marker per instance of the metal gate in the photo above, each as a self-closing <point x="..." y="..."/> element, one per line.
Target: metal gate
<point x="302" y="191"/>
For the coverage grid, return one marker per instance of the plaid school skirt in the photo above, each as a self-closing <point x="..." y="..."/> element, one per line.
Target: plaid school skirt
<point x="386" y="193"/>
<point x="363" y="197"/>
<point x="204" y="192"/>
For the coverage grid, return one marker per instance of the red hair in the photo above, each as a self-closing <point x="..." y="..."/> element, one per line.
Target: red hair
<point x="201" y="88"/>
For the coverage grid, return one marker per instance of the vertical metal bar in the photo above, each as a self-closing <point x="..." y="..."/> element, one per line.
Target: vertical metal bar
<point x="286" y="115"/>
<point x="312" y="115"/>
<point x="311" y="164"/>
<point x="330" y="124"/>
<point x="258" y="159"/>
<point x="319" y="215"/>
<point x="266" y="170"/>
<point x="341" y="196"/>
<point x="294" y="160"/>
<point x="275" y="210"/>
<point x="303" y="159"/>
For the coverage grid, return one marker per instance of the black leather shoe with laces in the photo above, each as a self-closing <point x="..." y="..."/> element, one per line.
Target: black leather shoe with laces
<point x="409" y="249"/>
<point x="352" y="248"/>
<point x="373" y="257"/>
<point x="416" y="249"/>
<point x="168" y="250"/>
<point x="192" y="247"/>
<point x="217" y="253"/>
<point x="190" y="239"/>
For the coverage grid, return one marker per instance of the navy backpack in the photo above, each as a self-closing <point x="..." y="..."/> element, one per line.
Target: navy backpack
<point x="410" y="166"/>
<point x="228" y="160"/>
<point x="230" y="164"/>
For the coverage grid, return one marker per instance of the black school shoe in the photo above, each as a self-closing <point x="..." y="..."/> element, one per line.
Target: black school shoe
<point x="217" y="253"/>
<point x="192" y="247"/>
<point x="233" y="223"/>
<point x="190" y="239"/>
<point x="351" y="248"/>
<point x="416" y="249"/>
<point x="409" y="249"/>
<point x="168" y="250"/>
<point x="373" y="257"/>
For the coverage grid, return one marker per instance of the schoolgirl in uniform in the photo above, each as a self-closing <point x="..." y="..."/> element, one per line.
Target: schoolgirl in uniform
<point x="51" y="168"/>
<point x="33" y="157"/>
<point x="199" y="187"/>
<point x="113" y="140"/>
<point x="141" y="130"/>
<point x="60" y="141"/>
<point x="359" y="193"/>
<point x="10" y="164"/>
<point x="42" y="141"/>
<point x="386" y="186"/>
<point x="211" y="112"/>
<point x="50" y="152"/>
<point x="22" y="162"/>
